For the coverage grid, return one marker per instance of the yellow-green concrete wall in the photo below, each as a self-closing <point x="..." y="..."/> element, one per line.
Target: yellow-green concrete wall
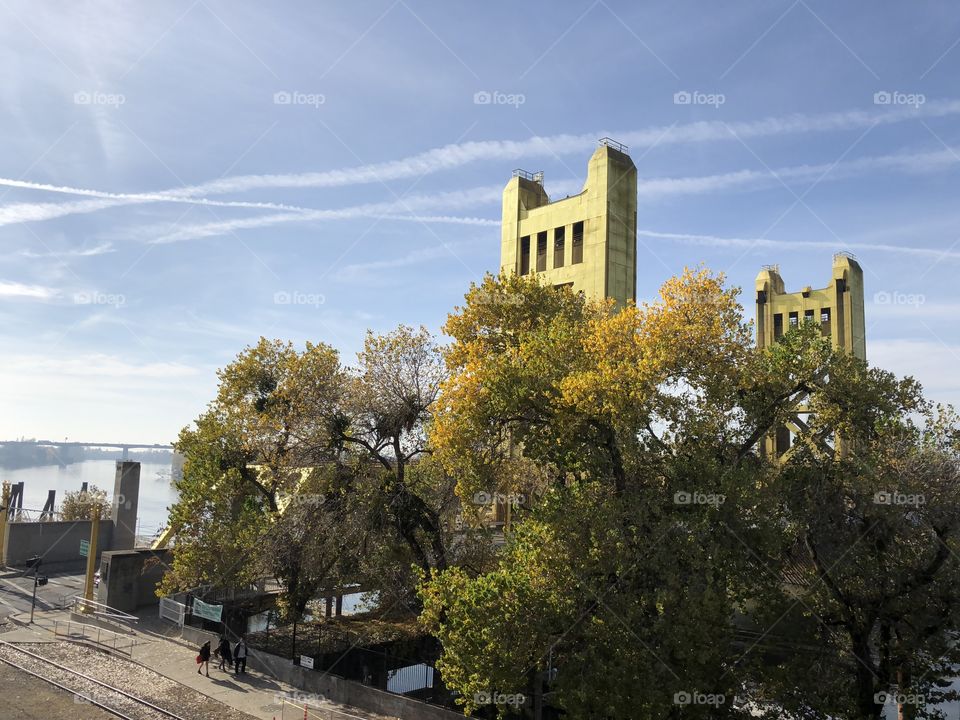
<point x="847" y="324"/>
<point x="607" y="206"/>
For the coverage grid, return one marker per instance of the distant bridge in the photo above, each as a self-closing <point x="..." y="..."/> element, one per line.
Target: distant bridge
<point x="72" y="443"/>
<point x="125" y="446"/>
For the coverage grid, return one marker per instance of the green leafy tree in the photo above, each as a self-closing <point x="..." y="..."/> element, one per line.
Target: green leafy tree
<point x="876" y="534"/>
<point x="220" y="513"/>
<point x="623" y="581"/>
<point x="241" y="456"/>
<point x="631" y="590"/>
<point x="312" y="472"/>
<point x="389" y="403"/>
<point x="80" y="504"/>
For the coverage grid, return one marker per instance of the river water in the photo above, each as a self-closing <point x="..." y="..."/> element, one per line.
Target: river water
<point x="156" y="490"/>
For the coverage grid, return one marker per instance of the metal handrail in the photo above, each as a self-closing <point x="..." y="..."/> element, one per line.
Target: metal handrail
<point x="100" y="640"/>
<point x="82" y="605"/>
<point x="18" y="515"/>
<point x="611" y="143"/>
<point x="527" y="175"/>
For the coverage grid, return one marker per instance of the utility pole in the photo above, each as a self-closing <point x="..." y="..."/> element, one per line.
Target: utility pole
<point x="4" y="511"/>
<point x="92" y="555"/>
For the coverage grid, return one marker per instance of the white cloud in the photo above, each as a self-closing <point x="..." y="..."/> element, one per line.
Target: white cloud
<point x="735" y="242"/>
<point x="92" y="365"/>
<point x="460" y="154"/>
<point x="910" y="163"/>
<point x="372" y="271"/>
<point x="11" y="289"/>
<point x="408" y="208"/>
<point x="35" y="212"/>
<point x="453" y="219"/>
<point x="101" y="249"/>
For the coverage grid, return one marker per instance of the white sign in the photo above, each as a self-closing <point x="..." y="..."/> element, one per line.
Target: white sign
<point x="306" y="661"/>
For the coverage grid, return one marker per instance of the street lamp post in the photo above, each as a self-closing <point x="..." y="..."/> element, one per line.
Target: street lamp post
<point x="34" y="563"/>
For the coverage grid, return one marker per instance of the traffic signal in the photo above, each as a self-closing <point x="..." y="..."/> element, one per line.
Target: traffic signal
<point x="34" y="562"/>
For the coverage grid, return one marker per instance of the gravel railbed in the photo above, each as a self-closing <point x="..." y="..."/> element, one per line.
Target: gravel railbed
<point x="125" y="675"/>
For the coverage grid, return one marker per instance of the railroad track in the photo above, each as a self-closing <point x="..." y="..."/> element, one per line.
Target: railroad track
<point x="83" y="687"/>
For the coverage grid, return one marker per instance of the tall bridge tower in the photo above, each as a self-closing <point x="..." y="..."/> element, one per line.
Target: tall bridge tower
<point x="586" y="241"/>
<point x="838" y="310"/>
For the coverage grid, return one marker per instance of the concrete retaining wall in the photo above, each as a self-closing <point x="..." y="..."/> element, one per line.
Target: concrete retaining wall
<point x="347" y="692"/>
<point x="58" y="543"/>
<point x="198" y="637"/>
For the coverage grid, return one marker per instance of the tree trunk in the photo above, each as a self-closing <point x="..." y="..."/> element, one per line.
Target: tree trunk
<point x="867" y="707"/>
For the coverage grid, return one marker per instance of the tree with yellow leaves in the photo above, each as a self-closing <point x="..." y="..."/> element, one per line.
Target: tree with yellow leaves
<point x="655" y="575"/>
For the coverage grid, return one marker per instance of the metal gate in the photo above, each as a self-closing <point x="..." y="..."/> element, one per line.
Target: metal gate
<point x="173" y="611"/>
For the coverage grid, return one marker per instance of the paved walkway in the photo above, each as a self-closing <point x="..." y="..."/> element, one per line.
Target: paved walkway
<point x="253" y="693"/>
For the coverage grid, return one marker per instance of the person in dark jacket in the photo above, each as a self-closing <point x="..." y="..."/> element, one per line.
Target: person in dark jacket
<point x="240" y="657"/>
<point x="223" y="649"/>
<point x="203" y="658"/>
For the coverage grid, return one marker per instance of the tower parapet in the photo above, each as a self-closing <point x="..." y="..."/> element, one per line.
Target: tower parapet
<point x="837" y="308"/>
<point x="587" y="241"/>
<point x="838" y="311"/>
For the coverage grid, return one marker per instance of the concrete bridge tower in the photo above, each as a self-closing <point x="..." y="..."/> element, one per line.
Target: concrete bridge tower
<point x="587" y="241"/>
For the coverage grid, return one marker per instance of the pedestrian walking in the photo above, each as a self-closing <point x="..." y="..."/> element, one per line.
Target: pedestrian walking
<point x="203" y="658"/>
<point x="240" y="658"/>
<point x="223" y="649"/>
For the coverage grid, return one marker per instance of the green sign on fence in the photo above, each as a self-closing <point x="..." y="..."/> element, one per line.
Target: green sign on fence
<point x="209" y="612"/>
<point x="84" y="548"/>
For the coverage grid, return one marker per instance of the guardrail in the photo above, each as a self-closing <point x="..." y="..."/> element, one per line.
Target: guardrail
<point x="76" y="631"/>
<point x="173" y="611"/>
<point x="82" y="606"/>
<point x="29" y="515"/>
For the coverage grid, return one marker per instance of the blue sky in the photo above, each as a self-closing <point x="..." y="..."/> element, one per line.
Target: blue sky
<point x="178" y="179"/>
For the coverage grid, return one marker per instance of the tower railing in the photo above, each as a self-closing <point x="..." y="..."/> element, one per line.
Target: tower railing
<point x="611" y="143"/>
<point x="536" y="177"/>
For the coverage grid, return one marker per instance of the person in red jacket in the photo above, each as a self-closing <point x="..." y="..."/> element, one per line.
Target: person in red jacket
<point x="203" y="658"/>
